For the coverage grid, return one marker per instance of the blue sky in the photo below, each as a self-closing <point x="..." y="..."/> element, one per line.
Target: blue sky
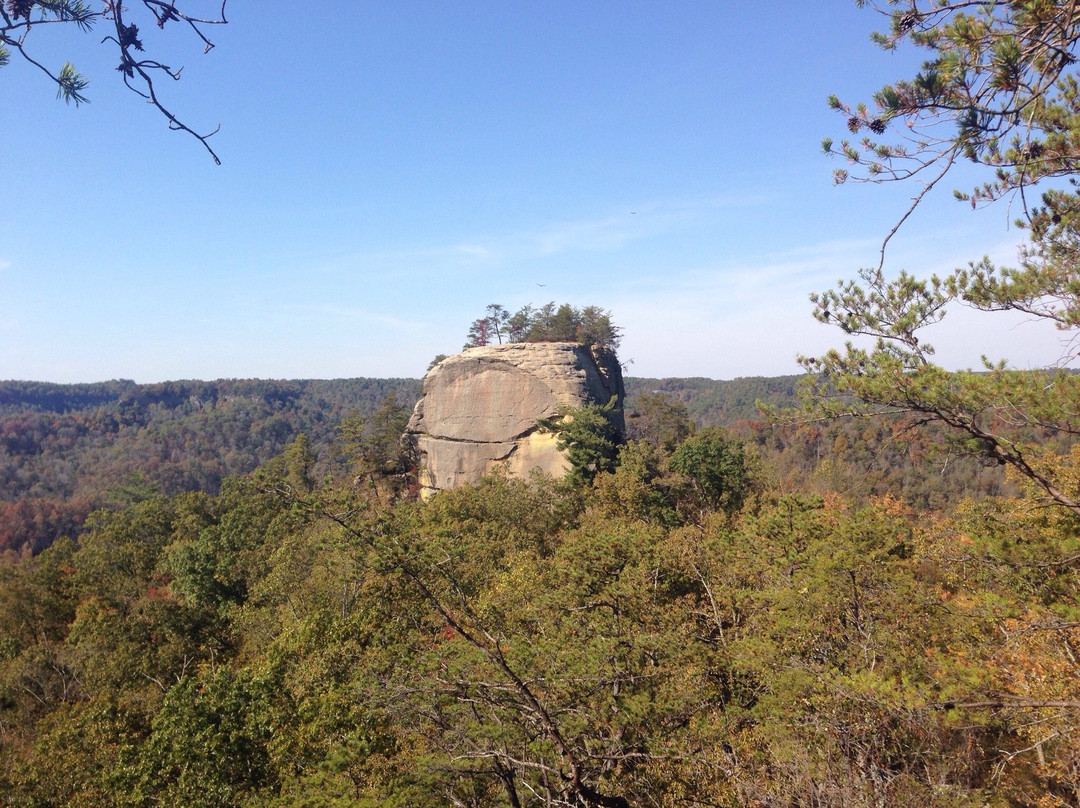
<point x="392" y="167"/>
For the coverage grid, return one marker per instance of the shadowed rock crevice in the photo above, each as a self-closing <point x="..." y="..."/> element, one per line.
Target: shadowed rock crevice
<point x="479" y="408"/>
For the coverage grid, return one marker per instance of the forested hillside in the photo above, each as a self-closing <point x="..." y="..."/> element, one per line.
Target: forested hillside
<point x="66" y="450"/>
<point x="721" y="403"/>
<point x="878" y="455"/>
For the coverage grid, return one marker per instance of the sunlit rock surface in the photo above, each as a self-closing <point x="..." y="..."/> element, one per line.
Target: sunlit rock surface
<point x="479" y="408"/>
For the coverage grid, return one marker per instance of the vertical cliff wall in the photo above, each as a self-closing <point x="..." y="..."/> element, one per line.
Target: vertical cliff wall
<point x="479" y="408"/>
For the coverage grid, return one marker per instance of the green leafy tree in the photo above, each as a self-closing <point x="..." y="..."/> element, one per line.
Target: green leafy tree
<point x="532" y="643"/>
<point x="207" y="746"/>
<point x="999" y="89"/>
<point x="18" y="18"/>
<point x="590" y="437"/>
<point x="374" y="440"/>
<point x="563" y="324"/>
<point x="519" y="322"/>
<point x="498" y="317"/>
<point x="300" y="464"/>
<point x="642" y="486"/>
<point x="540" y="327"/>
<point x="593" y="326"/>
<point x="373" y="444"/>
<point x="660" y="420"/>
<point x="718" y="468"/>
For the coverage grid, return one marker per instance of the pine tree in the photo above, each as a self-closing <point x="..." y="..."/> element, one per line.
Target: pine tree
<point x="998" y="90"/>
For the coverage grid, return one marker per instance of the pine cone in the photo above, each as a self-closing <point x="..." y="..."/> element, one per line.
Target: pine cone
<point x="129" y="37"/>
<point x="19" y="8"/>
<point x="907" y="21"/>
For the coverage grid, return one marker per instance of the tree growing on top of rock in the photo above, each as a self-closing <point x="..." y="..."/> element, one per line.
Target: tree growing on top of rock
<point x="590" y="325"/>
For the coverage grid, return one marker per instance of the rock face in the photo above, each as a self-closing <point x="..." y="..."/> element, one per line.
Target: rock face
<point x="479" y="408"/>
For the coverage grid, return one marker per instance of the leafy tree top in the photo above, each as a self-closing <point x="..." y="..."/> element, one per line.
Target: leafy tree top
<point x="590" y="325"/>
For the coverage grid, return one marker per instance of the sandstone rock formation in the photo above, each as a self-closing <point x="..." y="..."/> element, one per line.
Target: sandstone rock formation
<point x="479" y="408"/>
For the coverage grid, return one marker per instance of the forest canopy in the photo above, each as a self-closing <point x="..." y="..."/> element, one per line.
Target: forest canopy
<point x="677" y="630"/>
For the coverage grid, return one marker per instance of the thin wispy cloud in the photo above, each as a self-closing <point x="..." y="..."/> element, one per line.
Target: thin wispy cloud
<point x="585" y="235"/>
<point x="606" y="232"/>
<point x="477" y="251"/>
<point x="814" y="267"/>
<point x="748" y="277"/>
<point x="753" y="316"/>
<point x="331" y="310"/>
<point x="617" y="231"/>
